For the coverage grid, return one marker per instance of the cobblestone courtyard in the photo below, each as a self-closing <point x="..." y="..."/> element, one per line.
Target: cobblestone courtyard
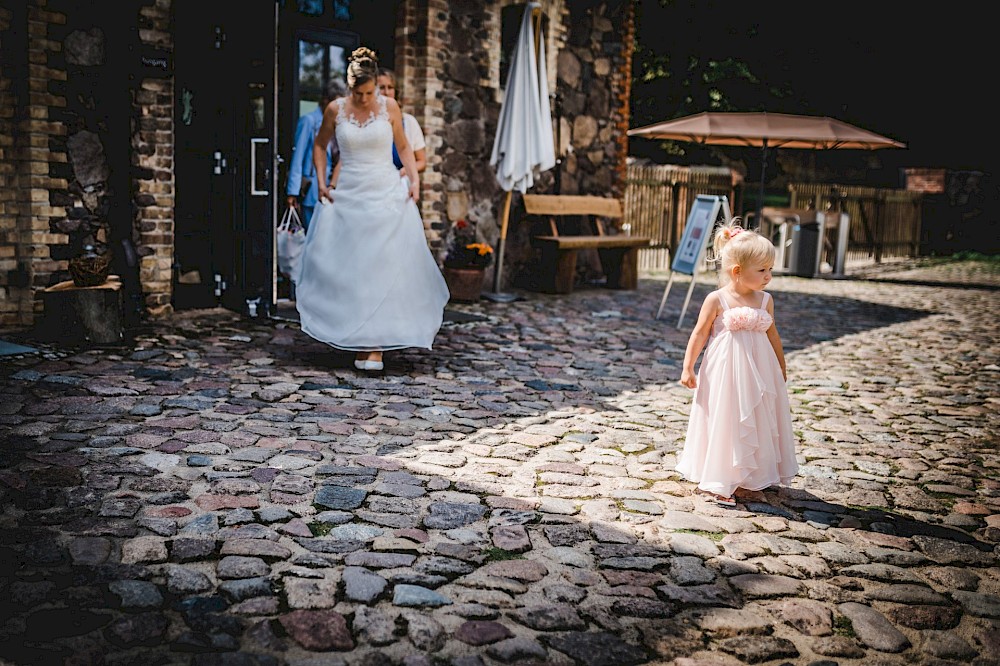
<point x="227" y="491"/>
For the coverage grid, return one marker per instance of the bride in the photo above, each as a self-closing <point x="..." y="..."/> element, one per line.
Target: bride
<point x="368" y="282"/>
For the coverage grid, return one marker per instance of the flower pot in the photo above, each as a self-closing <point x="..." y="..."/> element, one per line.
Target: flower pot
<point x="465" y="284"/>
<point x="90" y="270"/>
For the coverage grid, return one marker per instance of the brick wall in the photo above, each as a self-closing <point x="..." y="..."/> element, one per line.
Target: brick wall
<point x="447" y="58"/>
<point x="153" y="169"/>
<point x="419" y="39"/>
<point x="14" y="276"/>
<point x="30" y="162"/>
<point x="45" y="211"/>
<point x="930" y="181"/>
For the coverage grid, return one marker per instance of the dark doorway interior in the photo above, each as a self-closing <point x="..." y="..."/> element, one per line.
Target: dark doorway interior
<point x="235" y="114"/>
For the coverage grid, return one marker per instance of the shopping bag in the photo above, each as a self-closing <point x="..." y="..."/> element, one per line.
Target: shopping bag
<point x="291" y="238"/>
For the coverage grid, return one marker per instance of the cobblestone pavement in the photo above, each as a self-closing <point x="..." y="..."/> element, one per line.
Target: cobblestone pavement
<point x="226" y="491"/>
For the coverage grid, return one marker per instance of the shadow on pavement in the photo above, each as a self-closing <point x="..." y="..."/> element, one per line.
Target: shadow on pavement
<point x="128" y="477"/>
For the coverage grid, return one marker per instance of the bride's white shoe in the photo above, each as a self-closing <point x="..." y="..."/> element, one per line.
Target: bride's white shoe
<point x="367" y="364"/>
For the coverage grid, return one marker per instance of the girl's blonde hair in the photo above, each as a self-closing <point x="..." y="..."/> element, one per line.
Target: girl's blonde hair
<point x="362" y="67"/>
<point x="735" y="246"/>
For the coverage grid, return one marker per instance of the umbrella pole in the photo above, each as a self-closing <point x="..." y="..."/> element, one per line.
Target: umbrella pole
<point x="496" y="295"/>
<point x="760" y="192"/>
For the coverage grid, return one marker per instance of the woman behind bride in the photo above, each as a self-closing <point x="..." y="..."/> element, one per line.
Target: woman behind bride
<point x="368" y="281"/>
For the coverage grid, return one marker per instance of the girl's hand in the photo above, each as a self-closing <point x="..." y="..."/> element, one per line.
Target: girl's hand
<point x="415" y="191"/>
<point x="689" y="379"/>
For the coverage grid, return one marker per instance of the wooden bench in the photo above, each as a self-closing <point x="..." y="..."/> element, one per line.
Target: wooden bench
<point x="619" y="253"/>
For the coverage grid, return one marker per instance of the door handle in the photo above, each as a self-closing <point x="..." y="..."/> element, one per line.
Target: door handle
<point x="259" y="178"/>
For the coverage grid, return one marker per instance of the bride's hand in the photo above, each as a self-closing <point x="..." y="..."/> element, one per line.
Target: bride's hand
<point x="415" y="191"/>
<point x="325" y="193"/>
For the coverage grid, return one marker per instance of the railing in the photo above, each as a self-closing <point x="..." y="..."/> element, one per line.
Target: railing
<point x="658" y="199"/>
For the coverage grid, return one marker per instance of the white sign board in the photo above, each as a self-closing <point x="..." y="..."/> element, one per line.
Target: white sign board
<point x="697" y="235"/>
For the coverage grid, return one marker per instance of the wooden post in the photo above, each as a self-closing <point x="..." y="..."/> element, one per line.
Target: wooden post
<point x="504" y="219"/>
<point x="75" y="315"/>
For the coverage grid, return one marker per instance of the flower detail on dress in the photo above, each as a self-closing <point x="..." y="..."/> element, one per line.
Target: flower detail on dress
<point x="746" y="319"/>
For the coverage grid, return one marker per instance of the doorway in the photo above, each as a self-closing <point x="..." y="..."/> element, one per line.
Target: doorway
<point x="313" y="57"/>
<point x="315" y="40"/>
<point x="244" y="72"/>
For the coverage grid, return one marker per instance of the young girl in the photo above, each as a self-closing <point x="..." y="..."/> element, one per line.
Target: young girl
<point x="740" y="431"/>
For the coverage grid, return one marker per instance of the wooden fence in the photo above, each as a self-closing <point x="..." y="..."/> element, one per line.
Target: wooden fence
<point x="884" y="223"/>
<point x="658" y="199"/>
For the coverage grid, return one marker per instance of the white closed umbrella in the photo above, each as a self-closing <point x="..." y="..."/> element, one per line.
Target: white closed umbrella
<point x="523" y="147"/>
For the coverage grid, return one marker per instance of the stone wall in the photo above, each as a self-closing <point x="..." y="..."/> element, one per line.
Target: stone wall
<point x="67" y="176"/>
<point x="66" y="180"/>
<point x="15" y="291"/>
<point x="451" y="83"/>
<point x="32" y="161"/>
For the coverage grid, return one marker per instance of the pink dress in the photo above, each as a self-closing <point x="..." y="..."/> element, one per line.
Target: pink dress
<point x="740" y="431"/>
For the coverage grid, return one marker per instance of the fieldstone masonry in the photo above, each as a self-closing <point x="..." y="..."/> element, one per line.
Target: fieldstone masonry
<point x="454" y="89"/>
<point x="56" y="83"/>
<point x="60" y="170"/>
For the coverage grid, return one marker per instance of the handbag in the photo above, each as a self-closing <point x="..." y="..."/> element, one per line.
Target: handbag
<point x="291" y="239"/>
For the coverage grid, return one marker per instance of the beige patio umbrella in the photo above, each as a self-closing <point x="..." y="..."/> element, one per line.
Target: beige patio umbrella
<point x="766" y="130"/>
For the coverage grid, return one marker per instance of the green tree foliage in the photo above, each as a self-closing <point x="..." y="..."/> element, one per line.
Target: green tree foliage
<point x="687" y="60"/>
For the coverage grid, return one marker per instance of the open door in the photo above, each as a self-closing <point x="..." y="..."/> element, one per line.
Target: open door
<point x="315" y="39"/>
<point x="309" y="55"/>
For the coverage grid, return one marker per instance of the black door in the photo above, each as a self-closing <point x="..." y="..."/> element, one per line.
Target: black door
<point x="224" y="156"/>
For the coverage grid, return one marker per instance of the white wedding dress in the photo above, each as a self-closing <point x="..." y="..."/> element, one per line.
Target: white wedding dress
<point x="367" y="279"/>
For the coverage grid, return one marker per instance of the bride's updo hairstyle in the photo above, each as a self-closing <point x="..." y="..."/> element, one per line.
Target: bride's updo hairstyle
<point x="362" y="67"/>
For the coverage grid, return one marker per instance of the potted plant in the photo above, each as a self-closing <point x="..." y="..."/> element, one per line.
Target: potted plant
<point x="466" y="262"/>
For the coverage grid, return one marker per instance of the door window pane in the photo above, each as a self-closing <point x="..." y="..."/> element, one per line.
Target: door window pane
<point x="311" y="7"/>
<point x="342" y="10"/>
<point x="318" y="63"/>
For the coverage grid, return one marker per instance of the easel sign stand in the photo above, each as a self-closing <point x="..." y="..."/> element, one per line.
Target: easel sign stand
<point x="691" y="251"/>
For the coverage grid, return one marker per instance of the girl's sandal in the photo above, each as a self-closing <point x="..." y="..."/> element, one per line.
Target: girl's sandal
<point x="725" y="501"/>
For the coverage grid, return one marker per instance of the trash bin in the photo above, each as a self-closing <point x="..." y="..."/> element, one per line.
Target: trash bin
<point x="803" y="257"/>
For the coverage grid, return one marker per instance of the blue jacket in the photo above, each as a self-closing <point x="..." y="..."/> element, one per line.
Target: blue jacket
<point x="302" y="157"/>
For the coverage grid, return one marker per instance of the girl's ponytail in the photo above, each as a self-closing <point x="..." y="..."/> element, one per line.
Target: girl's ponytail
<point x="725" y="233"/>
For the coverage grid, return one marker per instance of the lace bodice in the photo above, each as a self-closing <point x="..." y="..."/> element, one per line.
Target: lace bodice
<point x="366" y="142"/>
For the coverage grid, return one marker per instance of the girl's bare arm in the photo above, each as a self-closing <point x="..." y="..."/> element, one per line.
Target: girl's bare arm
<point x="775" y="339"/>
<point x="699" y="336"/>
